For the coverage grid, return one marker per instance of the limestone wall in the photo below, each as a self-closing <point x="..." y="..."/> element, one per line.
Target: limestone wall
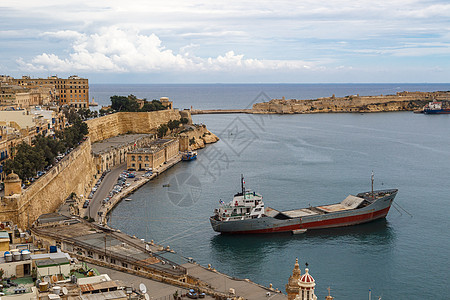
<point x="72" y="174"/>
<point x="129" y="122"/>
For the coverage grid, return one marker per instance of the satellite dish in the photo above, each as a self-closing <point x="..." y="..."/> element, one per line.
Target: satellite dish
<point x="64" y="290"/>
<point x="146" y="296"/>
<point x="143" y="288"/>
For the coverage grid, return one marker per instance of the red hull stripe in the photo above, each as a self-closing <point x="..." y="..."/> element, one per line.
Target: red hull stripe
<point x="338" y="222"/>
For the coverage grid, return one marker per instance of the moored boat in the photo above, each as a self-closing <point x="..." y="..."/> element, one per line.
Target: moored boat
<point x="246" y="213"/>
<point x="435" y="108"/>
<point x="189" y="155"/>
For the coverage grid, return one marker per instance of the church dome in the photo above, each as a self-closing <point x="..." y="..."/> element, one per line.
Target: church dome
<point x="306" y="278"/>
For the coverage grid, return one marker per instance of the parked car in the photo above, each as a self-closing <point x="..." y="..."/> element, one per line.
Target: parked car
<point x="86" y="204"/>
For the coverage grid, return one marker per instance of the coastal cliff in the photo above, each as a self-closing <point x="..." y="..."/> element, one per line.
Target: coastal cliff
<point x="402" y="101"/>
<point x="196" y="138"/>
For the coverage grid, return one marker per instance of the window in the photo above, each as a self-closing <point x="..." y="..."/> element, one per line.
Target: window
<point x="146" y="158"/>
<point x="133" y="158"/>
<point x="139" y="158"/>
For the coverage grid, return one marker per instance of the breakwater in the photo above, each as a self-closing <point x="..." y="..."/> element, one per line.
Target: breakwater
<point x="401" y="101"/>
<point x="220" y="111"/>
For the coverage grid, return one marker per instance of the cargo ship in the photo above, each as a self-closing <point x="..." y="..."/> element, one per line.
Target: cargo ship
<point x="435" y="108"/>
<point x="246" y="213"/>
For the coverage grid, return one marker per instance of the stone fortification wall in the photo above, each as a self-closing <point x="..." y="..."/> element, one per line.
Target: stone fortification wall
<point x="129" y="122"/>
<point x="355" y="103"/>
<point x="201" y="135"/>
<point x="74" y="173"/>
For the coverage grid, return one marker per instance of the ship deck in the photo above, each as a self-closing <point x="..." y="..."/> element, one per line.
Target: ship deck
<point x="349" y="203"/>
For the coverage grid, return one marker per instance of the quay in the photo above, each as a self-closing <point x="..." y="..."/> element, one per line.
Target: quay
<point x="101" y="214"/>
<point x="135" y="260"/>
<point x="220" y="111"/>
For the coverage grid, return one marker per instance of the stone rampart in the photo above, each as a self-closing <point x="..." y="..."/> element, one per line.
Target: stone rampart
<point x="401" y="101"/>
<point x="200" y="136"/>
<point x="73" y="174"/>
<point x="129" y="122"/>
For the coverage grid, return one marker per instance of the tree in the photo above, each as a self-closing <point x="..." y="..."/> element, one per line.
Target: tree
<point x="173" y="124"/>
<point x="31" y="159"/>
<point x="162" y="130"/>
<point x="184" y="120"/>
<point x="71" y="114"/>
<point x="121" y="103"/>
<point x="153" y="106"/>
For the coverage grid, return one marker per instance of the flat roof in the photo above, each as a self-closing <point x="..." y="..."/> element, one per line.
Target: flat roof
<point x="51" y="217"/>
<point x="116" y="142"/>
<point x="54" y="255"/>
<point x="52" y="262"/>
<point x="119" y="294"/>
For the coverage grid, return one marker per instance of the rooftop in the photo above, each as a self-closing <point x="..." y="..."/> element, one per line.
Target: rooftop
<point x="116" y="142"/>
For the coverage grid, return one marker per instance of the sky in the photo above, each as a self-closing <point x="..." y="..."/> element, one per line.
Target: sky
<point x="218" y="41"/>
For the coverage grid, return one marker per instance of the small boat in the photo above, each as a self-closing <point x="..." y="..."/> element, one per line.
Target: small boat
<point x="189" y="155"/>
<point x="128" y="199"/>
<point x="246" y="213"/>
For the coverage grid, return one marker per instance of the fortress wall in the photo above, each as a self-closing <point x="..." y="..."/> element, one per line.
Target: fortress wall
<point x="73" y="174"/>
<point x="103" y="127"/>
<point x="129" y="122"/>
<point x="201" y="135"/>
<point x="145" y="122"/>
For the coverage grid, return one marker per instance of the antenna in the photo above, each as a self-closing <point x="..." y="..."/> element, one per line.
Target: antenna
<point x="142" y="288"/>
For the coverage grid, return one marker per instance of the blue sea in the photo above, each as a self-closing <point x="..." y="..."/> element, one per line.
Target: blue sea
<point x="299" y="160"/>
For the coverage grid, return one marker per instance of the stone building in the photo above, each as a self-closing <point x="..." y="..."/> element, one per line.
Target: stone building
<point x="22" y="97"/>
<point x="166" y="103"/>
<point x="152" y="155"/>
<point x="73" y="91"/>
<point x="19" y="126"/>
<point x="112" y="151"/>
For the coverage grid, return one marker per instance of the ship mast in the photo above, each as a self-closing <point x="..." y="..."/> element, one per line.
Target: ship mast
<point x="372" y="186"/>
<point x="242" y="185"/>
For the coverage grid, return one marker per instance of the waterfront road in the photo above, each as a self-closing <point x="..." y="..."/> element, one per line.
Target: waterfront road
<point x="103" y="190"/>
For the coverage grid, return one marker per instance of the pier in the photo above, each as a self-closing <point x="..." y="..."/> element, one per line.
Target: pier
<point x="221" y="111"/>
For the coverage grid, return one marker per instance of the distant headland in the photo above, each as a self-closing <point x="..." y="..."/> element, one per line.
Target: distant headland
<point x="402" y="101"/>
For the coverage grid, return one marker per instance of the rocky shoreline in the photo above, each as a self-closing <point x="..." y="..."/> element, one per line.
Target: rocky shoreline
<point x="402" y="101"/>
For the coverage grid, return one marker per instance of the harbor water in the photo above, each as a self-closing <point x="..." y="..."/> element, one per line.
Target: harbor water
<point x="299" y="160"/>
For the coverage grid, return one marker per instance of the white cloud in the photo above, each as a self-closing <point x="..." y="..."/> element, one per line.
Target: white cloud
<point x="117" y="50"/>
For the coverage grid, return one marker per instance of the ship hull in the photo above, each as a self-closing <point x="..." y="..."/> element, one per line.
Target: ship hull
<point x="437" y="112"/>
<point x="376" y="210"/>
